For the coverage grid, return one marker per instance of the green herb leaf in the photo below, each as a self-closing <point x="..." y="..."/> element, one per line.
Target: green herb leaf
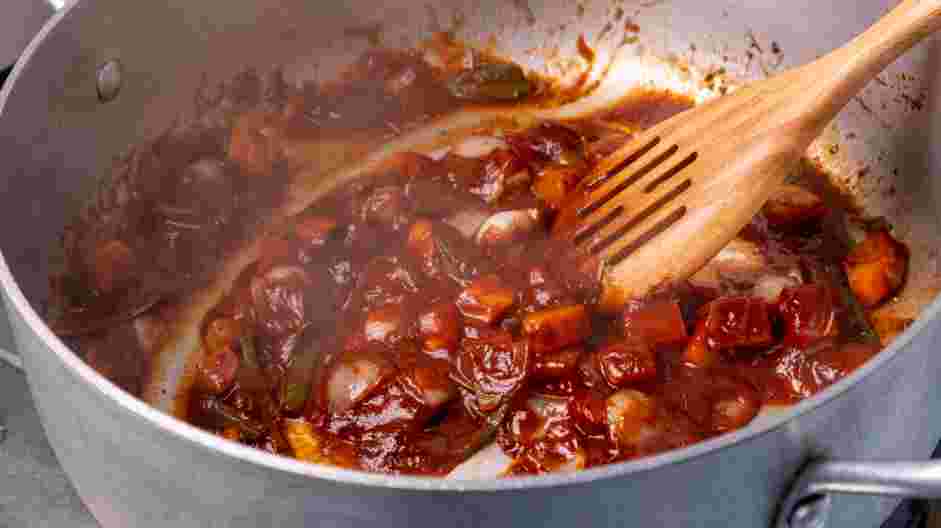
<point x="491" y="82"/>
<point x="295" y="396"/>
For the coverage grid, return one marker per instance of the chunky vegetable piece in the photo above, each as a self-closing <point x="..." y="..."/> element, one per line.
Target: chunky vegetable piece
<point x="555" y="328"/>
<point x="808" y="313"/>
<point x="876" y="267"/>
<point x="422" y="312"/>
<point x="658" y="322"/>
<point x="449" y="318"/>
<point x="485" y="300"/>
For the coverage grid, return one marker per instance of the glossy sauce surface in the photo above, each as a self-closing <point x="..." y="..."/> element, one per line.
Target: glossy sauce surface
<point x="407" y="320"/>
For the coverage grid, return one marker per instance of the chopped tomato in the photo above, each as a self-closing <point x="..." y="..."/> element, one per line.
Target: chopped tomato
<point x="808" y="313"/>
<point x="738" y="322"/>
<point x="788" y="373"/>
<point x="728" y="322"/>
<point x="657" y="322"/>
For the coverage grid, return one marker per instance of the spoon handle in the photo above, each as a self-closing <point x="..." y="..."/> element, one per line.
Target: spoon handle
<point x="845" y="71"/>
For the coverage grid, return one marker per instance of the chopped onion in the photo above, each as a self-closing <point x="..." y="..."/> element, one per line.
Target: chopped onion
<point x="351" y="381"/>
<point x="507" y="226"/>
<point x="629" y="415"/>
<point x="740" y="259"/>
<point x="490" y="462"/>
<point x="769" y="287"/>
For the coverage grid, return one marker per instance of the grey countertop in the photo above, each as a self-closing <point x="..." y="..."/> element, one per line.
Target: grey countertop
<point x="34" y="492"/>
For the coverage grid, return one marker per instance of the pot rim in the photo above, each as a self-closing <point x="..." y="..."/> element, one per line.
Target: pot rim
<point x="212" y="443"/>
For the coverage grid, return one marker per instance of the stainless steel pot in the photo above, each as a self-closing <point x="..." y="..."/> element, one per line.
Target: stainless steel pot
<point x="135" y="466"/>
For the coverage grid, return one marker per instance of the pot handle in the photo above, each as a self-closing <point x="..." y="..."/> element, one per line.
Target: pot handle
<point x="807" y="505"/>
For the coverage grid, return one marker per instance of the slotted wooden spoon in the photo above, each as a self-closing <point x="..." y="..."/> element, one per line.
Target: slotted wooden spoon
<point x="659" y="208"/>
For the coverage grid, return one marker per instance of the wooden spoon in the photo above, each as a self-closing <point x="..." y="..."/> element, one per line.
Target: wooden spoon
<point x="659" y="208"/>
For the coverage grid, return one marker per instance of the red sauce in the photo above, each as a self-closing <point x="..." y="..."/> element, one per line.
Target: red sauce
<point x="372" y="333"/>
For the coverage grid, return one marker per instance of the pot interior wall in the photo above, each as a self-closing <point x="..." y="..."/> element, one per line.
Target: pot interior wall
<point x="57" y="138"/>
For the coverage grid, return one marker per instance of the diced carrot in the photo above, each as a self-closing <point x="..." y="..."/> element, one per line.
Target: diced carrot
<point x="485" y="300"/>
<point x="304" y="442"/>
<point x="876" y="267"/>
<point x="658" y="322"/>
<point x="421" y="242"/>
<point x="887" y="326"/>
<point x="555" y="183"/>
<point x="232" y="432"/>
<point x="556" y="328"/>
